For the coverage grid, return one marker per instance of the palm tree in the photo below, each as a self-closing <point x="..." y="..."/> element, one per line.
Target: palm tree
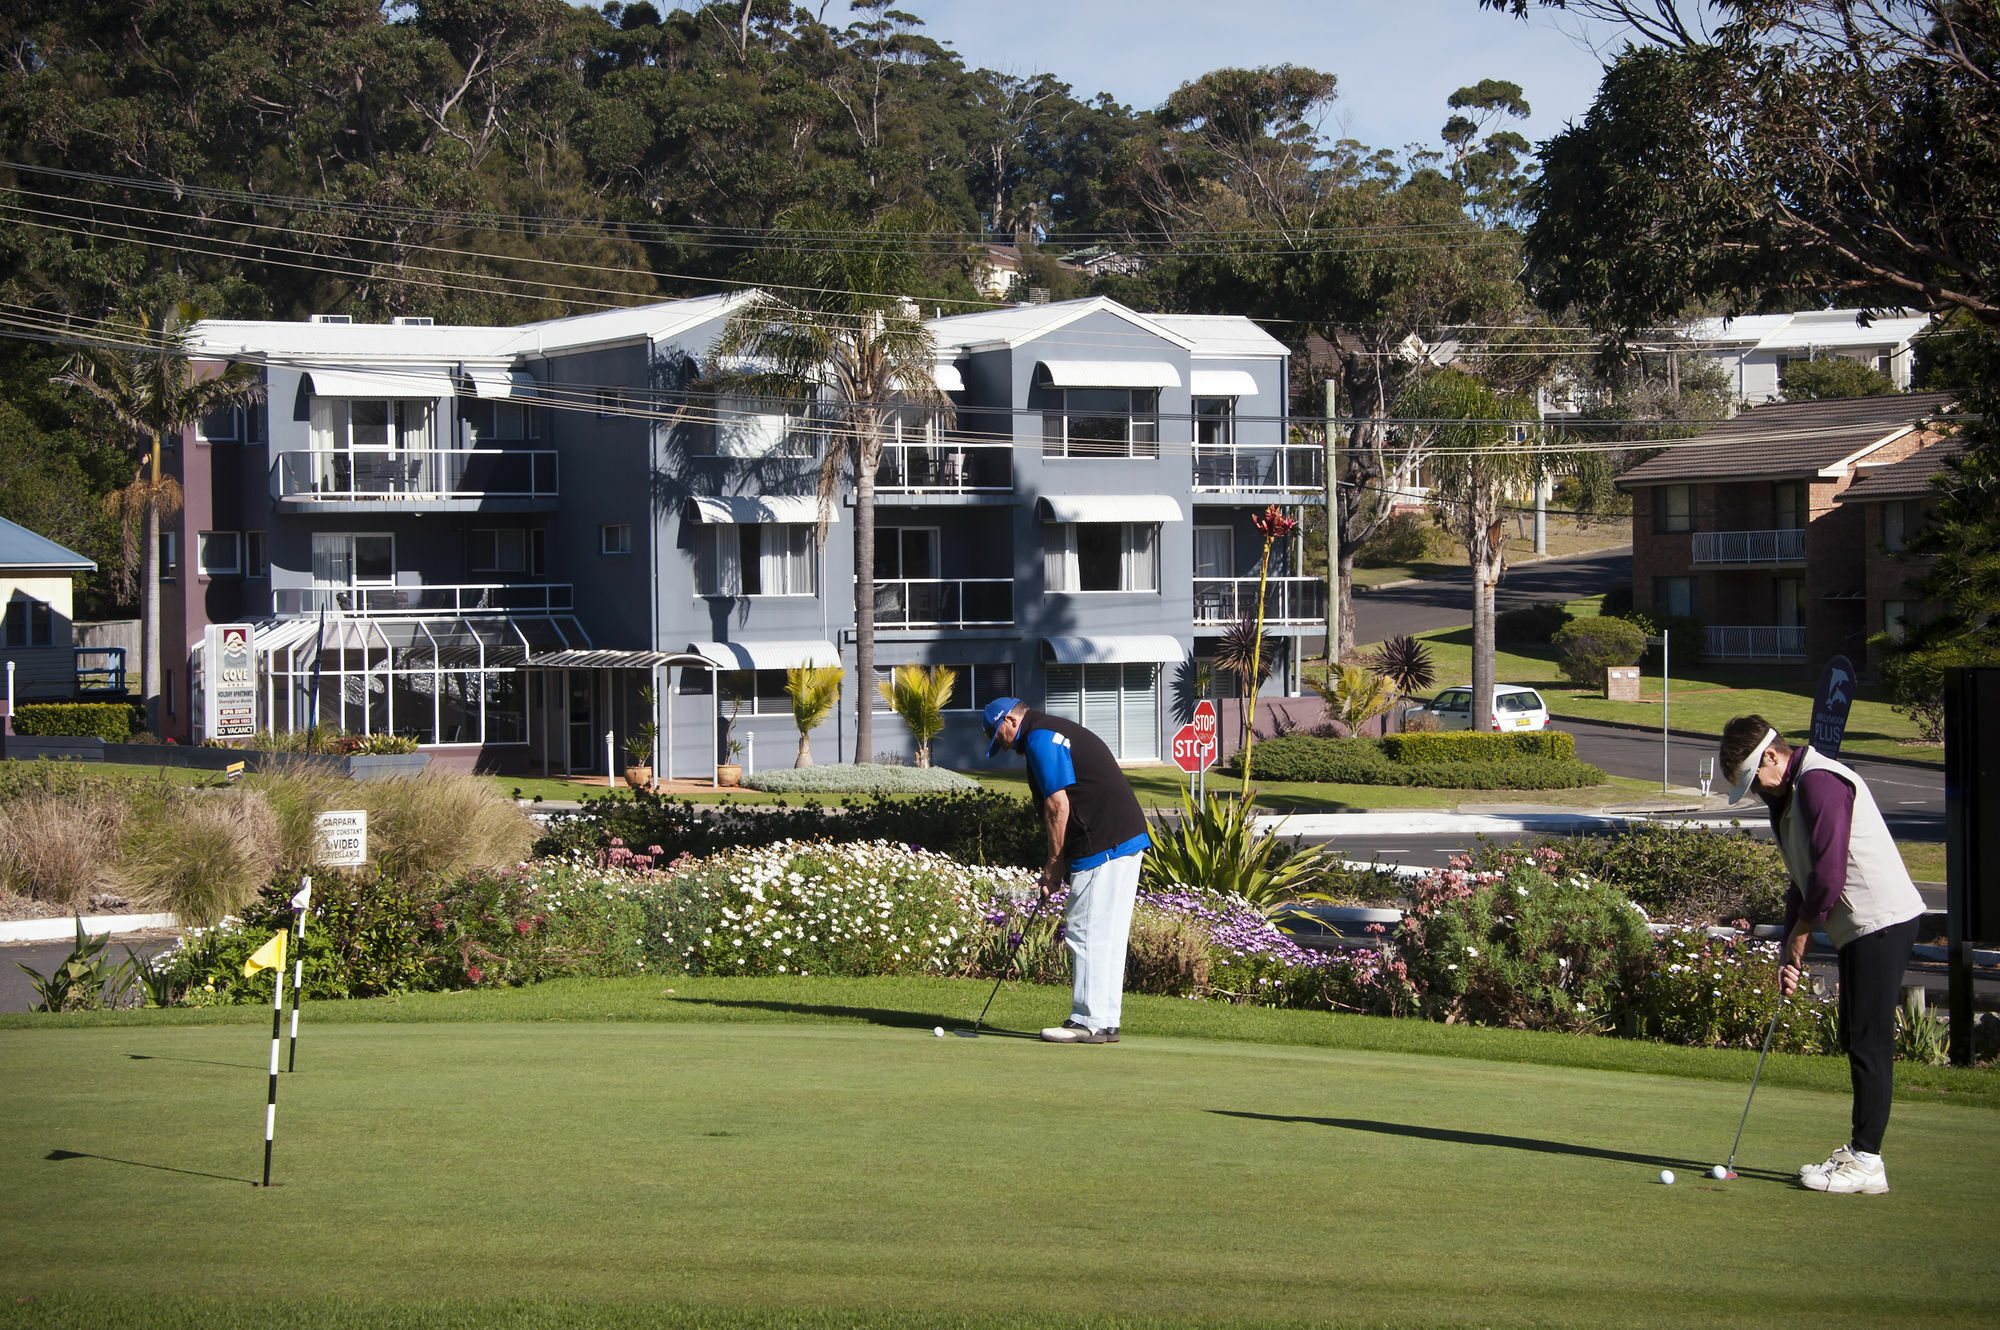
<point x="143" y="377"/>
<point x="1354" y="694"/>
<point x="835" y="324"/>
<point x="1478" y="460"/>
<point x="918" y="696"/>
<point x="815" y="691"/>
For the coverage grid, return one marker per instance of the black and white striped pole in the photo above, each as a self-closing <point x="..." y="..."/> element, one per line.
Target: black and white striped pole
<point x="271" y="956"/>
<point x="301" y="906"/>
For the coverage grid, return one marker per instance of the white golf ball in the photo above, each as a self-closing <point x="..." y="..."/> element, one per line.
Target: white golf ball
<point x="1718" y="1172"/>
<point x="938" y="1030"/>
<point x="1667" y="1176"/>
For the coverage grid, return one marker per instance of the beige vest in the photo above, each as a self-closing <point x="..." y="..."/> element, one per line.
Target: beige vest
<point x="1878" y="891"/>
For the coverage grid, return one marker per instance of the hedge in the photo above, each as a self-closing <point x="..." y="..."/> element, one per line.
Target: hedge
<point x="859" y="778"/>
<point x="1363" y="762"/>
<point x="109" y="721"/>
<point x="1477" y="746"/>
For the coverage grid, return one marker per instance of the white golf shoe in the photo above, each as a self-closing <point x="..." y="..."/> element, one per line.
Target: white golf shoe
<point x="1073" y="1032"/>
<point x="1846" y="1173"/>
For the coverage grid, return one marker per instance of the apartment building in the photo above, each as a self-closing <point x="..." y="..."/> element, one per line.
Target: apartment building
<point x="492" y="539"/>
<point x="1744" y="527"/>
<point x="1896" y="502"/>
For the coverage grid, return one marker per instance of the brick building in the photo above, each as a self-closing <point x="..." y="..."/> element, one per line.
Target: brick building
<point x="1895" y="502"/>
<point x="1743" y="527"/>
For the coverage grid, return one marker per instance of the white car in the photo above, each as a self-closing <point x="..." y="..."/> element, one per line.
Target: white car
<point x="1515" y="707"/>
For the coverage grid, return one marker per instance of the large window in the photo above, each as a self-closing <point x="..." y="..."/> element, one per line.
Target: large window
<point x="740" y="559"/>
<point x="256" y="555"/>
<point x="501" y="421"/>
<point x="1790" y="593"/>
<point x="347" y="559"/>
<point x="341" y="424"/>
<point x="30" y="622"/>
<point x="1214" y="422"/>
<point x="1120" y="704"/>
<point x="974" y="687"/>
<point x="1790" y="505"/>
<point x="506" y="550"/>
<point x="1674" y="595"/>
<point x="1673" y="508"/>
<point x="1101" y="556"/>
<point x="1103" y="422"/>
<point x="1894" y="612"/>
<point x="219" y="553"/>
<point x="1901" y="519"/>
<point x="906" y="552"/>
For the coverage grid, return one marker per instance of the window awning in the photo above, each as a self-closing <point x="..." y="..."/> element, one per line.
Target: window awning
<point x="619" y="660"/>
<point x="1133" y="649"/>
<point x="1222" y="383"/>
<point x="492" y="381"/>
<point x="949" y="380"/>
<point x="1110" y="508"/>
<point x="756" y="509"/>
<point x="383" y="381"/>
<point x="1111" y="374"/>
<point x="767" y="655"/>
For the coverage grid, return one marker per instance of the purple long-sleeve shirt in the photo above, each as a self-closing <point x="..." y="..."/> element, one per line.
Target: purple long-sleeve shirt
<point x="1826" y="802"/>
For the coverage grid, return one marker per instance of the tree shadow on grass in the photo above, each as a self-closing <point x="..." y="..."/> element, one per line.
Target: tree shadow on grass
<point x="1530" y="1143"/>
<point x="56" y="1156"/>
<point x="901" y="1020"/>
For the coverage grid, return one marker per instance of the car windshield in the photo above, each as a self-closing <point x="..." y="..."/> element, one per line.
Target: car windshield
<point x="1520" y="702"/>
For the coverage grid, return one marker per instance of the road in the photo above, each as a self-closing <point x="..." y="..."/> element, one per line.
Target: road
<point x="1445" y="602"/>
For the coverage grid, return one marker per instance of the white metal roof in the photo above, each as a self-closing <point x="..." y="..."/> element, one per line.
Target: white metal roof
<point x="1808" y="329"/>
<point x="1222" y="335"/>
<point x="753" y="509"/>
<point x="790" y="655"/>
<point x="1110" y="508"/>
<point x="1222" y="383"/>
<point x="1111" y="374"/>
<point x="1135" y="649"/>
<point x="1021" y="324"/>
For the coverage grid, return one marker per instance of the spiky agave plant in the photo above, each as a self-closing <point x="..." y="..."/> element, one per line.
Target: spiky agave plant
<point x="1215" y="848"/>
<point x="1241" y="649"/>
<point x="1406" y="663"/>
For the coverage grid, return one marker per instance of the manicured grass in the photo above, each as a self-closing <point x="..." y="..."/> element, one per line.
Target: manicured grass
<point x="1924" y="859"/>
<point x="1702" y="700"/>
<point x="806" y="1153"/>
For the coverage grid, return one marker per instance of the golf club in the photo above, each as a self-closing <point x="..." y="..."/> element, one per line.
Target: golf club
<point x="1729" y="1169"/>
<point x="1007" y="969"/>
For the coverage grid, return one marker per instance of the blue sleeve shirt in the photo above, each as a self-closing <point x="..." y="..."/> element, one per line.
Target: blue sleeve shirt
<point x="1049" y="765"/>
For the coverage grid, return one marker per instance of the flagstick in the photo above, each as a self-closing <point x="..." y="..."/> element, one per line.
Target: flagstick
<point x="298" y="982"/>
<point x="277" y="1026"/>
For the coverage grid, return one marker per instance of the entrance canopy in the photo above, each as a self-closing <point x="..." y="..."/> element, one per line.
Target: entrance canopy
<point x="767" y="655"/>
<point x="1133" y="649"/>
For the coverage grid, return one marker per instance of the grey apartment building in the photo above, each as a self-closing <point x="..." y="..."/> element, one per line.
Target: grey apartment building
<point x="491" y="539"/>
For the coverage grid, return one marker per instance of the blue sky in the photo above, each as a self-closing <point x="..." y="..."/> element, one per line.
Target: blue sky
<point x="1396" y="61"/>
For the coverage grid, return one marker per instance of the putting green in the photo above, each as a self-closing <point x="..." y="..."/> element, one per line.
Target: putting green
<point x="759" y="1173"/>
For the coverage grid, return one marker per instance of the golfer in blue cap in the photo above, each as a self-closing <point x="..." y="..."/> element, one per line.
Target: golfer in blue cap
<point x="1097" y="837"/>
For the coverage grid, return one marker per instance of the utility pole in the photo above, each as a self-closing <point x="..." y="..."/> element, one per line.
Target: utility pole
<point x="1332" y="464"/>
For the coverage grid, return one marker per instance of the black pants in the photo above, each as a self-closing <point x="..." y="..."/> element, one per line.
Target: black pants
<point x="1871" y="982"/>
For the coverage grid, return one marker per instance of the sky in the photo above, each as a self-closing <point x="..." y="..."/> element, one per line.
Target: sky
<point x="1397" y="61"/>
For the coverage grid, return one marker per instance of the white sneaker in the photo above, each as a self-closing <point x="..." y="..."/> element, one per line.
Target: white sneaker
<point x="1848" y="1175"/>
<point x="1835" y="1160"/>
<point x="1072" y="1032"/>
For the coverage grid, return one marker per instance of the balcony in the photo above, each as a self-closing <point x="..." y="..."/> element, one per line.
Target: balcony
<point x="951" y="467"/>
<point x="1236" y="469"/>
<point x="1221" y="601"/>
<point x="923" y="602"/>
<point x="417" y="480"/>
<point x="1754" y="643"/>
<point x="418" y="599"/>
<point x="1749" y="547"/>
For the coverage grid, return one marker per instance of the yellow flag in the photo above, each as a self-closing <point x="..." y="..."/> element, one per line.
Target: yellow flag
<point x="270" y="956"/>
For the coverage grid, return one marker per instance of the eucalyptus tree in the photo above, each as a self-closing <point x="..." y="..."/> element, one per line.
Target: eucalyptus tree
<point x="1476" y="452"/>
<point x="832" y="323"/>
<point x="142" y="374"/>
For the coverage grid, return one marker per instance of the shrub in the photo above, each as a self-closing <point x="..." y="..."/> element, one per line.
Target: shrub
<point x="1588" y="647"/>
<point x="434" y="822"/>
<point x="1617" y="601"/>
<point x="200" y="854"/>
<point x="1533" y="624"/>
<point x="863" y="778"/>
<point x="1684" y="634"/>
<point x="1691" y="874"/>
<point x="1403" y="538"/>
<point x="1309" y="758"/>
<point x="1473" y="746"/>
<point x="1525" y="950"/>
<point x="109" y="721"/>
<point x="374" y="745"/>
<point x="59" y="846"/>
<point x="1215" y="849"/>
<point x="1519" y="773"/>
<point x="1720" y="993"/>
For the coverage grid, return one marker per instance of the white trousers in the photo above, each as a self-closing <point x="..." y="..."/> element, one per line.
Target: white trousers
<point x="1096" y="929"/>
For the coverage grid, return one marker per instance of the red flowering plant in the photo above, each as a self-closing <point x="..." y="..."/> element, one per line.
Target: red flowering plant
<point x="1273" y="526"/>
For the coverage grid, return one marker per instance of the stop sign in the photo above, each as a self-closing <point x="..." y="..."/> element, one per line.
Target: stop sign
<point x="1204" y="723"/>
<point x="1189" y="752"/>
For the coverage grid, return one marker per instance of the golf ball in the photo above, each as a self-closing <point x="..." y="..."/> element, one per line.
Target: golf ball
<point x="938" y="1030"/>
<point x="1718" y="1172"/>
<point x="1667" y="1176"/>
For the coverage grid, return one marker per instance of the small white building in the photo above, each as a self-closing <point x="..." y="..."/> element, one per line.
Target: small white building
<point x="35" y="583"/>
<point x="1756" y="348"/>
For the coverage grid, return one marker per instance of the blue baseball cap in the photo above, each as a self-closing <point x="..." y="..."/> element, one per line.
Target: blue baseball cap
<point x="996" y="711"/>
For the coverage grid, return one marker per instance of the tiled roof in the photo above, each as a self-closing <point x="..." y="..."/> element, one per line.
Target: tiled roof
<point x="1787" y="439"/>
<point x="22" y="548"/>
<point x="1907" y="479"/>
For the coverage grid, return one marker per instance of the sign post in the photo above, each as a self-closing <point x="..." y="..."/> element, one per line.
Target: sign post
<point x="229" y="698"/>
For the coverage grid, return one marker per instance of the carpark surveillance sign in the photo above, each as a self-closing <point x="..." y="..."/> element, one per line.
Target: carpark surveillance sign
<point x="228" y="651"/>
<point x="341" y="839"/>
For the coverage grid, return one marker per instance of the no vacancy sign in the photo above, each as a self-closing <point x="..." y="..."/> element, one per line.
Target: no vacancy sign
<point x="229" y="651"/>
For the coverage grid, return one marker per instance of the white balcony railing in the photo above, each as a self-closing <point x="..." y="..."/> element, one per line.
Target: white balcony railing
<point x="1750" y="546"/>
<point x="1754" y="643"/>
<point x="948" y="467"/>
<point x="924" y="602"/>
<point x="1287" y="600"/>
<point x="1242" y="467"/>
<point x="425" y="598"/>
<point x="414" y="475"/>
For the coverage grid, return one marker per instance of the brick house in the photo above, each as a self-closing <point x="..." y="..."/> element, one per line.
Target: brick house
<point x="1895" y="502"/>
<point x="1742" y="528"/>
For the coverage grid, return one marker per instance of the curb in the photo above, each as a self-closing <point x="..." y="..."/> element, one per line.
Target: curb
<point x="1698" y="734"/>
<point x="1439" y="824"/>
<point x="96" y="925"/>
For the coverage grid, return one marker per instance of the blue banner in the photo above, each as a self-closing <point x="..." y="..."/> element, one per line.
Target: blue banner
<point x="1830" y="704"/>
